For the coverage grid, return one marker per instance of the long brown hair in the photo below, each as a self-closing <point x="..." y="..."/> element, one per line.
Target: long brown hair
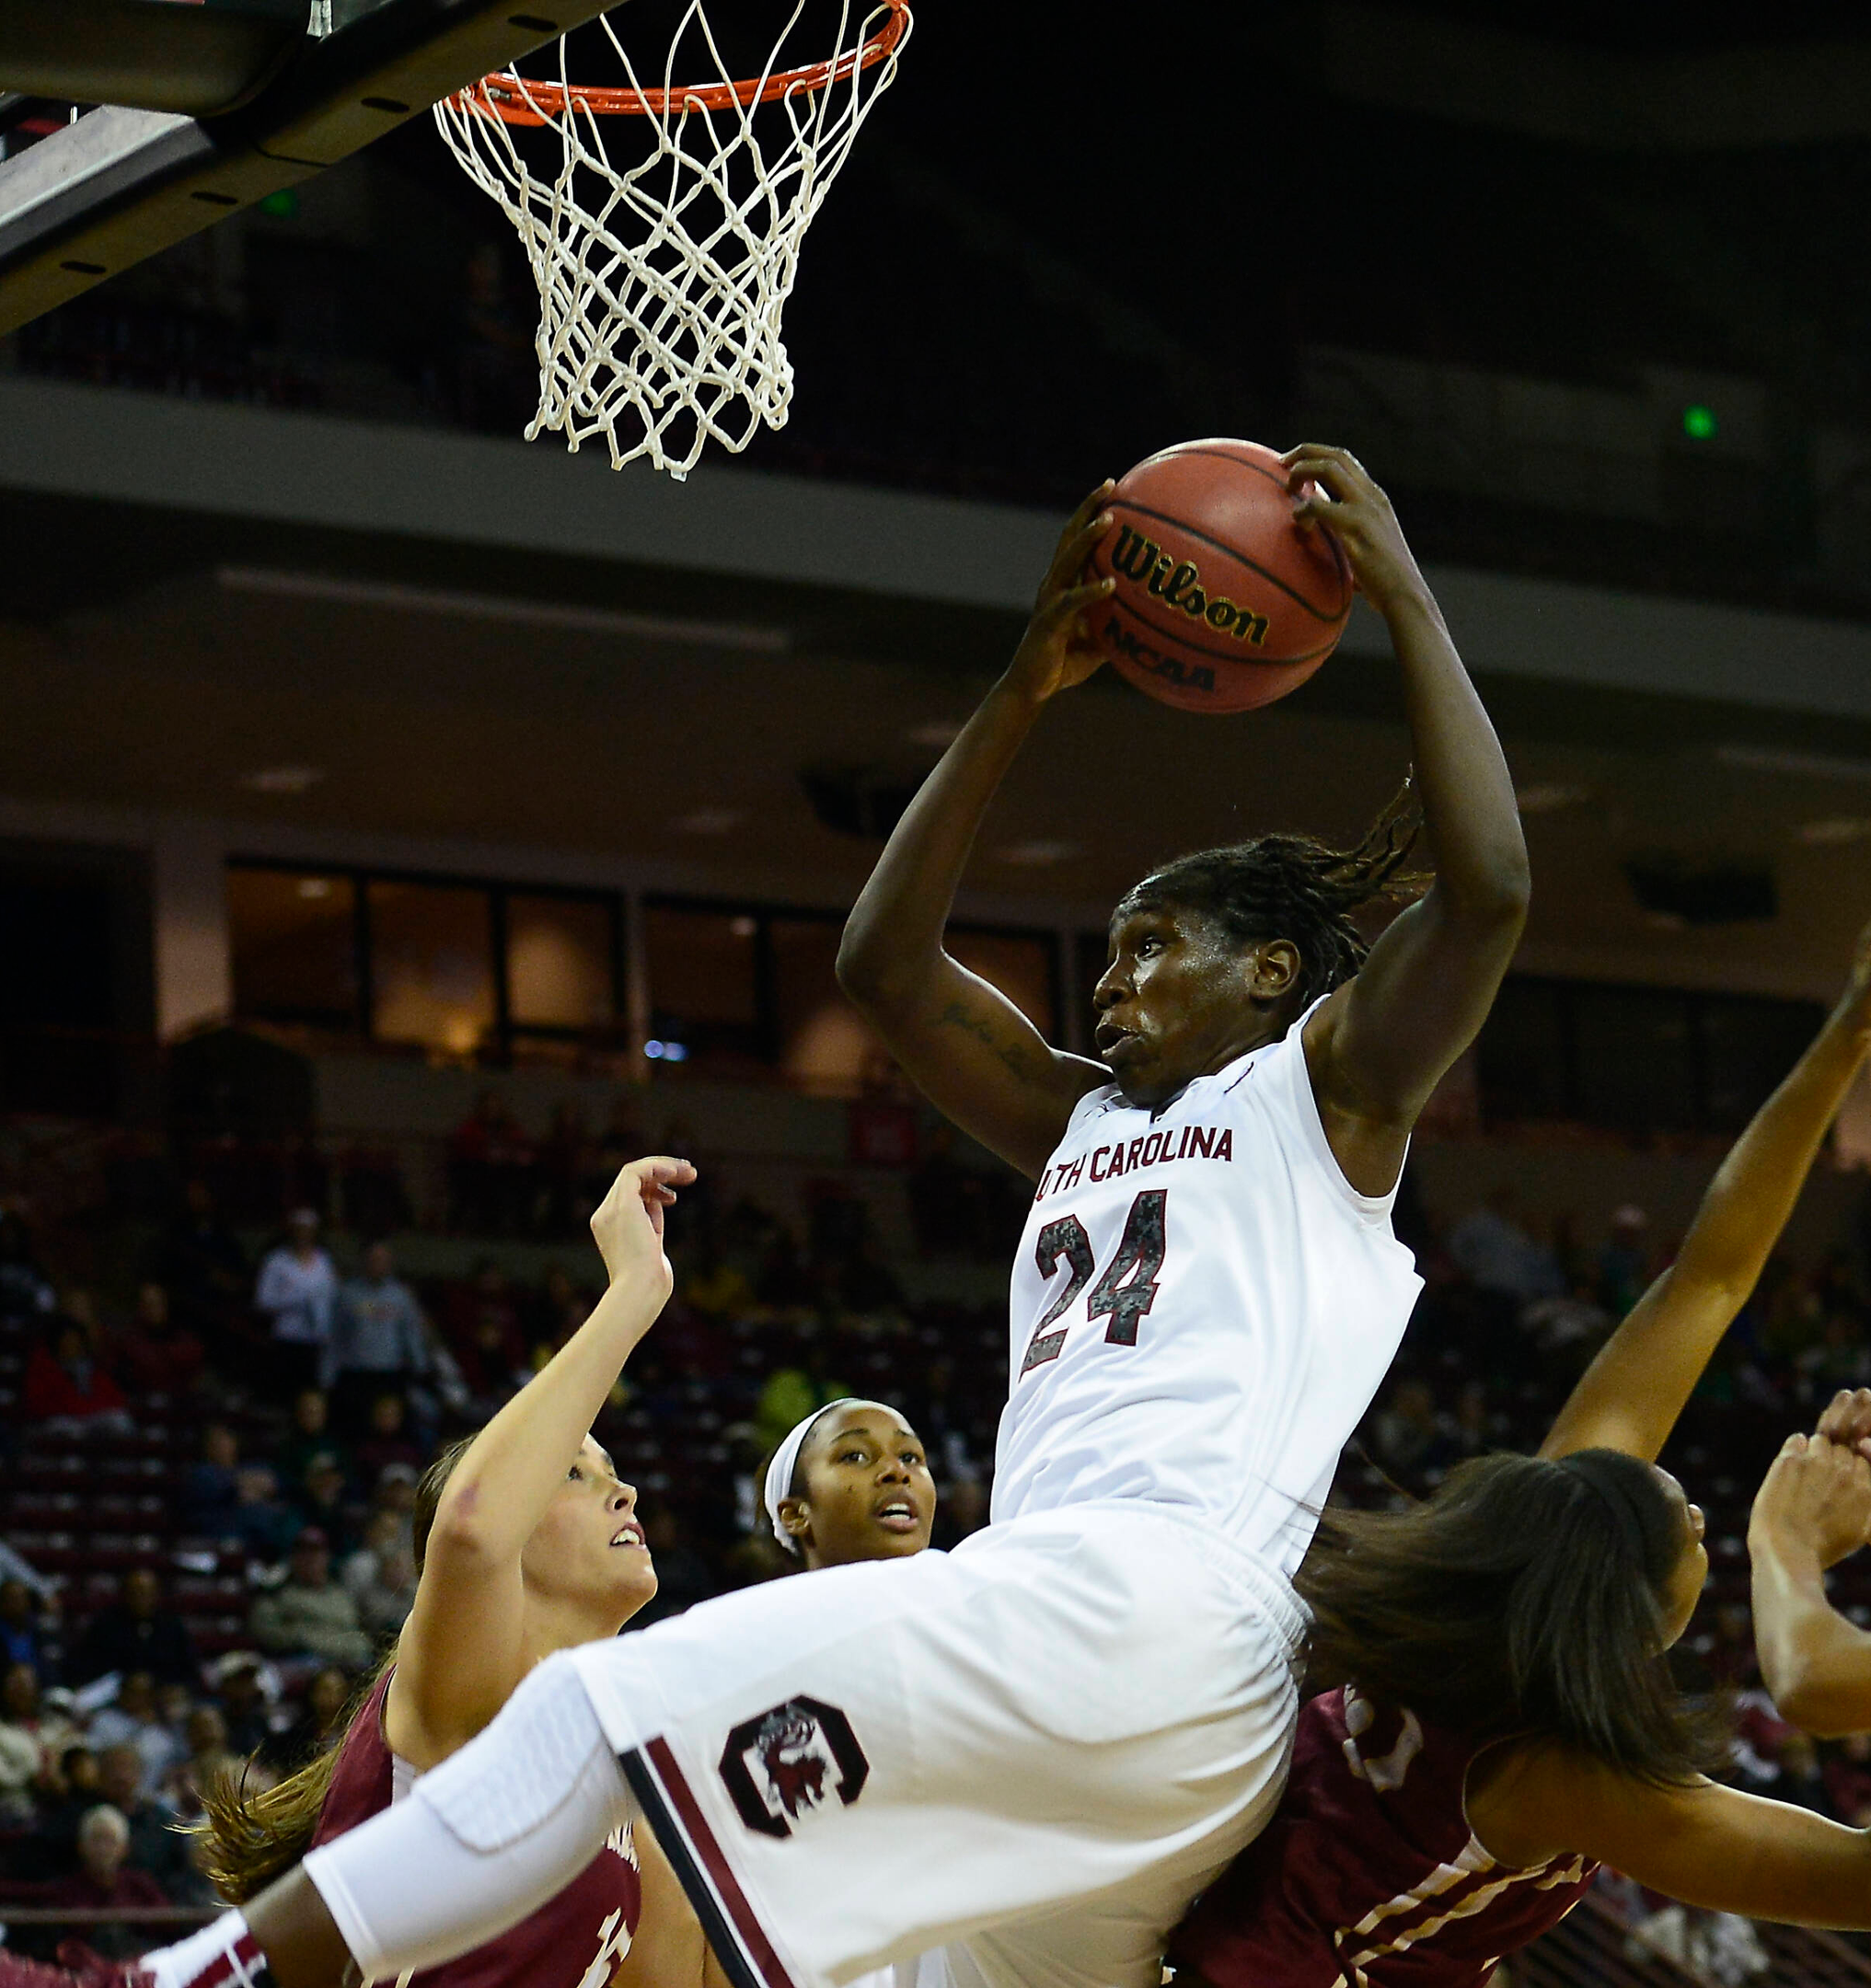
<point x="253" y="1835"/>
<point x="1524" y="1600"/>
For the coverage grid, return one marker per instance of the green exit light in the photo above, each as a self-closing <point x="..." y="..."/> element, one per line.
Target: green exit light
<point x="281" y="205"/>
<point x="1698" y="424"/>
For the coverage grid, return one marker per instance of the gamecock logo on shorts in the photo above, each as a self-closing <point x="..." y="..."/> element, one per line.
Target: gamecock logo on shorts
<point x="783" y="1764"/>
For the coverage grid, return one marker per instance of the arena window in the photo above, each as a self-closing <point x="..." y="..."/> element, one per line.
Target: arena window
<point x="1635" y="1060"/>
<point x="459" y="967"/>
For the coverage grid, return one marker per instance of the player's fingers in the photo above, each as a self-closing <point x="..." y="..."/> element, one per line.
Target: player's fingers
<point x="1308" y="481"/>
<point x="1068" y="561"/>
<point x="1076" y="600"/>
<point x="1089" y="508"/>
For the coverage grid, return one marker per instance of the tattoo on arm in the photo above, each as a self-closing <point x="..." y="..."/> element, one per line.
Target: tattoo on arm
<point x="956" y="1015"/>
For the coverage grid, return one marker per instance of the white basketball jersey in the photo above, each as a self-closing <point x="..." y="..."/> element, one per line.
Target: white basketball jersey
<point x="1203" y="1307"/>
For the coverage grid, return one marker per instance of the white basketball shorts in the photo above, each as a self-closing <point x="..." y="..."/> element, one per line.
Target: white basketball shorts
<point x="1033" y="1750"/>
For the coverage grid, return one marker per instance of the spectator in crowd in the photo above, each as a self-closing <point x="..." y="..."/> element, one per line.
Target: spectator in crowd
<point x="22" y="1759"/>
<point x="485" y="1336"/>
<point x="322" y="1721"/>
<point x="1623" y="1264"/>
<point x="324" y="1502"/>
<point x="23" y="1291"/>
<point x="209" y="1760"/>
<point x="154" y="1846"/>
<point x="39" y="1716"/>
<point x="77" y="1789"/>
<point x="716" y="1288"/>
<point x="492" y="1171"/>
<point x="134" y="1721"/>
<point x="68" y="1387"/>
<point x="105" y="1880"/>
<point x="137" y="1632"/>
<point x="1801" y="1780"/>
<point x="200" y="1263"/>
<point x="1404" y="1435"/>
<point x="564" y="1165"/>
<point x="380" y="1576"/>
<point x="387" y="1439"/>
<point x="310" y="1440"/>
<point x="155" y="1353"/>
<point x="309" y="1615"/>
<point x="262" y="1522"/>
<point x="211" y="1491"/>
<point x="378" y="1343"/>
<point x="13" y="1566"/>
<point x="1499" y="1253"/>
<point x="247" y="1686"/>
<point x="296" y="1290"/>
<point x="1848" y="1781"/>
<point x="395" y="1493"/>
<point x="21" y="1640"/>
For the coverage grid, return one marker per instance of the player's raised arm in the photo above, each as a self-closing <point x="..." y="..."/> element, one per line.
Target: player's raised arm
<point x="1813" y="1511"/>
<point x="1631" y="1394"/>
<point x="463" y="1650"/>
<point x="1380" y="1046"/>
<point x="978" y="1058"/>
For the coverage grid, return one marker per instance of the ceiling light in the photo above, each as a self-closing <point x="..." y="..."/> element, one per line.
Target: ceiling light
<point x="710" y="821"/>
<point x="314" y="887"/>
<point x="1835" y="828"/>
<point x="1546" y="797"/>
<point x="1038" y="855"/>
<point x="282" y="779"/>
<point x="743" y="928"/>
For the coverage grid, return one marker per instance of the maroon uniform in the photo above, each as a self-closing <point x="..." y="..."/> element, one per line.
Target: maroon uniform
<point x="1368" y="1875"/>
<point x="575" y="1941"/>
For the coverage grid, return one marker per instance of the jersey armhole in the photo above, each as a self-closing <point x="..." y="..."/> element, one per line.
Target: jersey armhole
<point x="1371" y="1209"/>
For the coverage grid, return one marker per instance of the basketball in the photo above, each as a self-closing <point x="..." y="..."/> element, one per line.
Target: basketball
<point x="1222" y="603"/>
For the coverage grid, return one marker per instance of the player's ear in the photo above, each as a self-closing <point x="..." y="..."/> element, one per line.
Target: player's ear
<point x="795" y="1515"/>
<point x="1276" y="970"/>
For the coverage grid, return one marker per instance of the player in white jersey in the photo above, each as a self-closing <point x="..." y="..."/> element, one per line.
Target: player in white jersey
<point x="1032" y="1750"/>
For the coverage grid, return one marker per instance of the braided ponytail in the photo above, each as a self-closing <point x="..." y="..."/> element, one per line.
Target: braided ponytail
<point x="1293" y="888"/>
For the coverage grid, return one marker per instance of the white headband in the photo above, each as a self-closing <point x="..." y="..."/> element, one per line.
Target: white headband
<point x="779" y="1474"/>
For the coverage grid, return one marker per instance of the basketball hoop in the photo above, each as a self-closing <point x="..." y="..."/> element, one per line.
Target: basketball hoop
<point x="659" y="304"/>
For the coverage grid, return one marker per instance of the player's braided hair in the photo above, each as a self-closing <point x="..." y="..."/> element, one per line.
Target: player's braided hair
<point x="1295" y="887"/>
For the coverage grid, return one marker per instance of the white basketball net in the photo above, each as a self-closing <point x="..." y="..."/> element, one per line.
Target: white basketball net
<point x="663" y="275"/>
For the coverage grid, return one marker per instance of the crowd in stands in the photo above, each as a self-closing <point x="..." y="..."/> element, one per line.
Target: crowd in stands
<point x="212" y="1438"/>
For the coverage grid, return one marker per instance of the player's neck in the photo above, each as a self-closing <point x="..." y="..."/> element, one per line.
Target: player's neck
<point x="559" y="1621"/>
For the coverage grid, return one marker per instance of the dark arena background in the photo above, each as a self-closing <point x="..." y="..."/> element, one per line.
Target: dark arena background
<point x="407" y="823"/>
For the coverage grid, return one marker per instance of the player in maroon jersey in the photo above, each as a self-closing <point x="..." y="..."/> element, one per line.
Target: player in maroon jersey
<point x="531" y="1546"/>
<point x="1505" y="1718"/>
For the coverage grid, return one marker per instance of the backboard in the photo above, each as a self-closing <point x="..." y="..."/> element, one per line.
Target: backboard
<point x="234" y="100"/>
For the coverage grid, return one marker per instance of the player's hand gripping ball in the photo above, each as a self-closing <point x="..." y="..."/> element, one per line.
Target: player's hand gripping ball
<point x="1222" y="602"/>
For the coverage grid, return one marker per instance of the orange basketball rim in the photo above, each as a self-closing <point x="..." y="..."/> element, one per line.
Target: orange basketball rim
<point x="521" y="100"/>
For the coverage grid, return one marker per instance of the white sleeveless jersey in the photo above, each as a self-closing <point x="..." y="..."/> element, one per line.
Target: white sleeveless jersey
<point x="1203" y="1307"/>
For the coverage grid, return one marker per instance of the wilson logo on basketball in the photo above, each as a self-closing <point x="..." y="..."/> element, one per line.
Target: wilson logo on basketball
<point x="1178" y="584"/>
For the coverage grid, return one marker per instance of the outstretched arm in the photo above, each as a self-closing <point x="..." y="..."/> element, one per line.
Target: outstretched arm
<point x="1378" y="1046"/>
<point x="1633" y="1393"/>
<point x="1812" y="1511"/>
<point x="1704" y="1844"/>
<point x="979" y="1061"/>
<point x="461" y="1653"/>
